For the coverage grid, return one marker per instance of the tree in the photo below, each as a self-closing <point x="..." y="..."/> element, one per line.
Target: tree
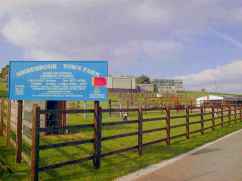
<point x="143" y="79"/>
<point x="4" y="72"/>
<point x="203" y="90"/>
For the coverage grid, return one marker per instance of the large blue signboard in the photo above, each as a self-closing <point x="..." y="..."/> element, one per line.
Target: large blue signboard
<point x="58" y="80"/>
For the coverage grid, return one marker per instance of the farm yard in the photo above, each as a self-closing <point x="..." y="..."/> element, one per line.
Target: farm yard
<point x="55" y="150"/>
<point x="148" y="135"/>
<point x="112" y="167"/>
<point x="124" y="163"/>
<point x="120" y="90"/>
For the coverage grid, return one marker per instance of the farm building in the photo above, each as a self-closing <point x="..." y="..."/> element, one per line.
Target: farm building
<point x="213" y="99"/>
<point x="168" y="85"/>
<point x="233" y="99"/>
<point x="121" y="83"/>
<point x="128" y="83"/>
<point x="210" y="98"/>
<point x="145" y="87"/>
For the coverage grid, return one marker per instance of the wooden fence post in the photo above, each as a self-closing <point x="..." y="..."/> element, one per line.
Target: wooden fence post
<point x="19" y="132"/>
<point x="168" y="125"/>
<point x="8" y="125"/>
<point x="187" y="123"/>
<point x="191" y="108"/>
<point x="1" y="118"/>
<point x="110" y="107"/>
<point x="140" y="131"/>
<point x="97" y="135"/>
<point x="202" y="119"/>
<point x="213" y="118"/>
<point x="35" y="143"/>
<point x="240" y="112"/>
<point x="229" y="114"/>
<point x="235" y="113"/>
<point x="222" y="115"/>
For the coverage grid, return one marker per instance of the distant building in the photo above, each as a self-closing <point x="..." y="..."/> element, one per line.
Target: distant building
<point x="168" y="85"/>
<point x="145" y="87"/>
<point x="218" y="100"/>
<point x="121" y="83"/>
<point x="209" y="99"/>
<point x="128" y="83"/>
<point x="237" y="100"/>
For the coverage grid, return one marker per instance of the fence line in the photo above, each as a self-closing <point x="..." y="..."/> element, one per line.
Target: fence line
<point x="5" y="120"/>
<point x="97" y="139"/>
<point x="11" y="126"/>
<point x="218" y="113"/>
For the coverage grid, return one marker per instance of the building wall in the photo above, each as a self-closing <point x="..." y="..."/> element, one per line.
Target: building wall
<point x="146" y="87"/>
<point x="168" y="85"/>
<point x="122" y="82"/>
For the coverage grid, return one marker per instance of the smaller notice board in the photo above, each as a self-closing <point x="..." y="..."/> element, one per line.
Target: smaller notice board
<point x="58" y="80"/>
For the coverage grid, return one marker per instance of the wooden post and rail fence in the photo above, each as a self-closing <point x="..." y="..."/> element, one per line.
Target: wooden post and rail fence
<point x="6" y="126"/>
<point x="220" y="116"/>
<point x="98" y="124"/>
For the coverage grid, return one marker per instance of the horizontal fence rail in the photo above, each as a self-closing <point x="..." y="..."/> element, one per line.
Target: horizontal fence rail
<point x="26" y="135"/>
<point x="202" y="119"/>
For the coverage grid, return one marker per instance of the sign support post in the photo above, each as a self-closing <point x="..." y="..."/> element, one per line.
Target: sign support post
<point x="19" y="132"/>
<point x="97" y="134"/>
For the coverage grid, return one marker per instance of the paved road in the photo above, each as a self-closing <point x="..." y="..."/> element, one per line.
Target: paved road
<point x="221" y="161"/>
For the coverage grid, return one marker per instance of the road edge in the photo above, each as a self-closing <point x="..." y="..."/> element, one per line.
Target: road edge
<point x="152" y="168"/>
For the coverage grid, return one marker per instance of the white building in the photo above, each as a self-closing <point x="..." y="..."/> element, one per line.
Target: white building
<point x="121" y="82"/>
<point x="146" y="87"/>
<point x="201" y="100"/>
<point x="168" y="85"/>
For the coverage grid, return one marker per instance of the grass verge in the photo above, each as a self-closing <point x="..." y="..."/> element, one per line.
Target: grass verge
<point x="9" y="170"/>
<point x="114" y="166"/>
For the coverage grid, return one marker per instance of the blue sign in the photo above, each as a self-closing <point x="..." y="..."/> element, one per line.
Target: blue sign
<point x="58" y="80"/>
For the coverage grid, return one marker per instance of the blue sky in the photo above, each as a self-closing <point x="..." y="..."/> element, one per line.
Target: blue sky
<point x="199" y="41"/>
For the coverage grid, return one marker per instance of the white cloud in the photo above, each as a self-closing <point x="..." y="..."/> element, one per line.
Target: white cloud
<point x="43" y="55"/>
<point x="120" y="30"/>
<point x="227" y="78"/>
<point x="21" y="33"/>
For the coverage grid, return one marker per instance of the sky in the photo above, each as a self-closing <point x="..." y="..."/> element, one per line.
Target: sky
<point x="199" y="41"/>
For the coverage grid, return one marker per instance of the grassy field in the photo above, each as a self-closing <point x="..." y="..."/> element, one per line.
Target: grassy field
<point x="8" y="169"/>
<point x="113" y="166"/>
<point x="184" y="97"/>
<point x="117" y="165"/>
<point x="124" y="163"/>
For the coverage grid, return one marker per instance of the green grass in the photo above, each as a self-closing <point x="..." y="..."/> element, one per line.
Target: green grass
<point x="200" y="93"/>
<point x="8" y="169"/>
<point x="185" y="97"/>
<point x="121" y="164"/>
<point x="113" y="166"/>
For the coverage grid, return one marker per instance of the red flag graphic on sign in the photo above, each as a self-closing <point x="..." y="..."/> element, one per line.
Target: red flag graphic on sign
<point x="99" y="81"/>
